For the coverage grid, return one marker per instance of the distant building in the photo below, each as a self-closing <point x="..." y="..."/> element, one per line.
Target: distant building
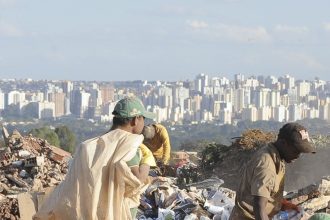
<point x="46" y="110"/>
<point x="226" y="116"/>
<point x="79" y="103"/>
<point x="14" y="97"/>
<point x="280" y="113"/>
<point x="107" y="93"/>
<point x="303" y="89"/>
<point x="59" y="99"/>
<point x="295" y="112"/>
<point x="250" y="113"/>
<point x="2" y="101"/>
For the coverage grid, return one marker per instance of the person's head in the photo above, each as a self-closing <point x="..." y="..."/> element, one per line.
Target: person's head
<point x="129" y="113"/>
<point x="292" y="140"/>
<point x="148" y="131"/>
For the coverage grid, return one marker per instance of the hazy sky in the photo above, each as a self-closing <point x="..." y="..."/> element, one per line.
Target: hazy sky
<point x="107" y="40"/>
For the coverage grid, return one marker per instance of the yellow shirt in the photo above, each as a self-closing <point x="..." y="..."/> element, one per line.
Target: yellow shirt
<point x="262" y="176"/>
<point x="160" y="144"/>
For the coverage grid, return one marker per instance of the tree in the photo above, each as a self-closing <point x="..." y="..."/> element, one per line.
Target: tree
<point x="67" y="138"/>
<point x="47" y="134"/>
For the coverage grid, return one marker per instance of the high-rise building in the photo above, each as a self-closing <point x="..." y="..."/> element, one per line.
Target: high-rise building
<point x="95" y="99"/>
<point x="263" y="97"/>
<point x="275" y="98"/>
<point x="264" y="113"/>
<point x="14" y="97"/>
<point x="250" y="113"/>
<point x="180" y="94"/>
<point x="288" y="82"/>
<point x="295" y="112"/>
<point x="324" y="112"/>
<point x="303" y="88"/>
<point x="270" y="82"/>
<point x="293" y="98"/>
<point x="311" y="113"/>
<point x="79" y="104"/>
<point x="107" y="93"/>
<point x="165" y="98"/>
<point x="59" y="99"/>
<point x="238" y="99"/>
<point x="2" y="101"/>
<point x="196" y="103"/>
<point x="226" y="116"/>
<point x="67" y="88"/>
<point x="251" y="82"/>
<point x="201" y="81"/>
<point x="280" y="113"/>
<point x="46" y="109"/>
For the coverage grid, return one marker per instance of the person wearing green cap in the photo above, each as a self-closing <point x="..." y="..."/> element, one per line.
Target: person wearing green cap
<point x="101" y="182"/>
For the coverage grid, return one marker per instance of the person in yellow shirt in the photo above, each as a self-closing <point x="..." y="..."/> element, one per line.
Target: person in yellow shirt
<point x="156" y="138"/>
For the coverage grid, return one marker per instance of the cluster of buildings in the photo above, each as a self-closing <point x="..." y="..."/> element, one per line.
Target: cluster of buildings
<point x="204" y="99"/>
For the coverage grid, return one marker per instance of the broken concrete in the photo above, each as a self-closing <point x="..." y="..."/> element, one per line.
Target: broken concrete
<point x="28" y="165"/>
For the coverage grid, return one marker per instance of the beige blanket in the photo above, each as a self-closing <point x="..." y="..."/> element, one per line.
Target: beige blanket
<point x="99" y="184"/>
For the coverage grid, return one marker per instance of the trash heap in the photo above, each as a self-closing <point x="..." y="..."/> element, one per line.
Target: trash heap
<point x="313" y="198"/>
<point x="27" y="164"/>
<point x="202" y="200"/>
<point x="253" y="138"/>
<point x="30" y="164"/>
<point x="208" y="200"/>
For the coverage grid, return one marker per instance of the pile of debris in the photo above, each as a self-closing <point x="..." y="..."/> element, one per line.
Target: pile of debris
<point x="30" y="164"/>
<point x="313" y="198"/>
<point x="27" y="164"/>
<point x="202" y="200"/>
<point x="253" y="138"/>
<point x="208" y="200"/>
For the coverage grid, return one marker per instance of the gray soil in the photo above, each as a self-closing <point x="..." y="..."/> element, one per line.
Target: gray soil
<point x="307" y="169"/>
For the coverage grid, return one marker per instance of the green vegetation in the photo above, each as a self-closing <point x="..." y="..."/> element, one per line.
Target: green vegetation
<point x="66" y="137"/>
<point x="192" y="137"/>
<point x="183" y="137"/>
<point x="211" y="155"/>
<point x="47" y="134"/>
<point x="61" y="137"/>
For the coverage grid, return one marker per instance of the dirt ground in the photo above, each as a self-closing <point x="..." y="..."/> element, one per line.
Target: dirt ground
<point x="304" y="171"/>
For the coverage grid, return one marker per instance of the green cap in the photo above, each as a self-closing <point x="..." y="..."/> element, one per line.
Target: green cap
<point x="320" y="216"/>
<point x="131" y="107"/>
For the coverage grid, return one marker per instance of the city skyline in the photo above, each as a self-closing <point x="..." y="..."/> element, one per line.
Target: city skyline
<point x="204" y="99"/>
<point x="169" y="41"/>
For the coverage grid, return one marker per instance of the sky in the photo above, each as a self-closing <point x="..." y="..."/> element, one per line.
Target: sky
<point x="170" y="40"/>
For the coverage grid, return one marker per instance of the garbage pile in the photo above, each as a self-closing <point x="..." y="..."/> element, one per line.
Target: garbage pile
<point x="30" y="164"/>
<point x="27" y="164"/>
<point x="202" y="200"/>
<point x="208" y="200"/>
<point x="253" y="138"/>
<point x="313" y="198"/>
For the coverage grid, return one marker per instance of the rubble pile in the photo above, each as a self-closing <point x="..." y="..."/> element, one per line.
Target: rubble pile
<point x="9" y="209"/>
<point x="208" y="200"/>
<point x="30" y="164"/>
<point x="313" y="198"/>
<point x="202" y="200"/>
<point x="27" y="164"/>
<point x="253" y="138"/>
